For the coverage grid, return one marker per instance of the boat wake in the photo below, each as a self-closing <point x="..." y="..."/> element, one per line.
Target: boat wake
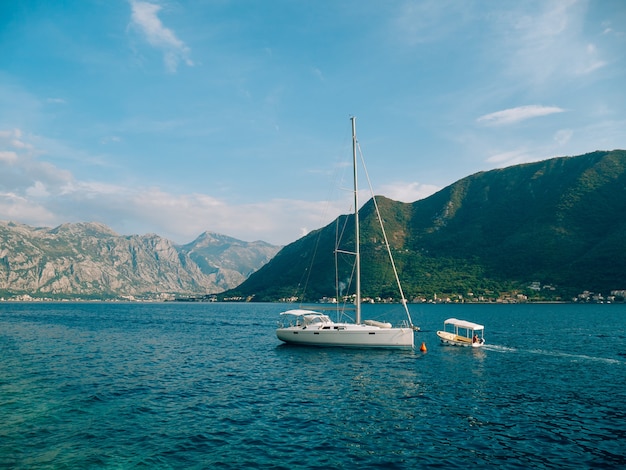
<point x="578" y="357"/>
<point x="502" y="349"/>
<point x="543" y="352"/>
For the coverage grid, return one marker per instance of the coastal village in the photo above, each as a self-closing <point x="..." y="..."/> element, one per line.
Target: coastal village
<point x="614" y="296"/>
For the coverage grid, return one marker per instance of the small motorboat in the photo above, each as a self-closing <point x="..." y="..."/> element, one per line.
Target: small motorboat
<point x="462" y="333"/>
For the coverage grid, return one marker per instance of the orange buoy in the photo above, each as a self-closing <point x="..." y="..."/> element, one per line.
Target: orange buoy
<point x="423" y="347"/>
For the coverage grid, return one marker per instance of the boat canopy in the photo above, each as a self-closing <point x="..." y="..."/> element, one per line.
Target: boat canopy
<point x="298" y="312"/>
<point x="306" y="317"/>
<point x="464" y="324"/>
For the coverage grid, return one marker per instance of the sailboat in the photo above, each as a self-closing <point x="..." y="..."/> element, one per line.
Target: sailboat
<point x="314" y="328"/>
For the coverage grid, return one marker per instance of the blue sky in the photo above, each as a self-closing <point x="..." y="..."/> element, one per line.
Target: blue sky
<point x="176" y="117"/>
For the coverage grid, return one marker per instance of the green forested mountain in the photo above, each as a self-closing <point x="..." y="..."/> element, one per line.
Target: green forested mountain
<point x="558" y="223"/>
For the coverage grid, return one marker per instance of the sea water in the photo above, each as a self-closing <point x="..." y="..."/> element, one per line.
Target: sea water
<point x="170" y="385"/>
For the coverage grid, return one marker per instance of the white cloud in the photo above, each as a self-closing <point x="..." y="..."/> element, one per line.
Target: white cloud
<point x="563" y="136"/>
<point x="36" y="192"/>
<point x="91" y="189"/>
<point x="513" y="157"/>
<point x="408" y="192"/>
<point x="521" y="113"/>
<point x="547" y="41"/>
<point x="112" y="139"/>
<point x="182" y="217"/>
<point x="428" y="21"/>
<point x="8" y="157"/>
<point x="20" y="145"/>
<point x="144" y="16"/>
<point x="318" y="74"/>
<point x="13" y="138"/>
<point x="20" y="209"/>
<point x="12" y="133"/>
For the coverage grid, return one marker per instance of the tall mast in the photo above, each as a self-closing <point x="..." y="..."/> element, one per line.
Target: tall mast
<point x="357" y="243"/>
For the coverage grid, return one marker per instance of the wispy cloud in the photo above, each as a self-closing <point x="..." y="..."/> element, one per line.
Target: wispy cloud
<point x="13" y="139"/>
<point x="36" y="192"/>
<point x="145" y="17"/>
<point x="408" y="192"/>
<point x="512" y="157"/>
<point x="563" y="136"/>
<point x="318" y="73"/>
<point x="428" y="21"/>
<point x="547" y="41"/>
<point x="8" y="157"/>
<point x="17" y="208"/>
<point x="521" y="113"/>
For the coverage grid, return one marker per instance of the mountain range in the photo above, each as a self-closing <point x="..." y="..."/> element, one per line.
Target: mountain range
<point x="549" y="229"/>
<point x="91" y="261"/>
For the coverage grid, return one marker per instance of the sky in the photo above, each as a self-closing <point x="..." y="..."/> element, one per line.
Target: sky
<point x="177" y="117"/>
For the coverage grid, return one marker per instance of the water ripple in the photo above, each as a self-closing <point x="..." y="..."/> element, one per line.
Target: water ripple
<point x="194" y="386"/>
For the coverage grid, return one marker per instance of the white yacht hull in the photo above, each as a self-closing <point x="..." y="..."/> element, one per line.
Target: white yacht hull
<point x="348" y="335"/>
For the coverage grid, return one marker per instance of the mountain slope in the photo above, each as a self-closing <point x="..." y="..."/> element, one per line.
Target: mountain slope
<point x="558" y="222"/>
<point x="535" y="221"/>
<point x="226" y="260"/>
<point x="90" y="260"/>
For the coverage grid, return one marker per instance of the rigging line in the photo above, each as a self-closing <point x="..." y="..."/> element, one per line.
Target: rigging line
<point x="382" y="227"/>
<point x="306" y="275"/>
<point x="342" y="304"/>
<point x="336" y="262"/>
<point x="310" y="270"/>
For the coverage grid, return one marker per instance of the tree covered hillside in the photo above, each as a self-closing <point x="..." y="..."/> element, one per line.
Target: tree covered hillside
<point x="558" y="222"/>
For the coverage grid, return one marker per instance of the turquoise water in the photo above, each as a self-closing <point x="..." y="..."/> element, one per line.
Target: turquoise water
<point x="90" y="385"/>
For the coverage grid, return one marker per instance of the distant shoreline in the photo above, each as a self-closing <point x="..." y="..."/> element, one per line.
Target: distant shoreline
<point x="177" y="301"/>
